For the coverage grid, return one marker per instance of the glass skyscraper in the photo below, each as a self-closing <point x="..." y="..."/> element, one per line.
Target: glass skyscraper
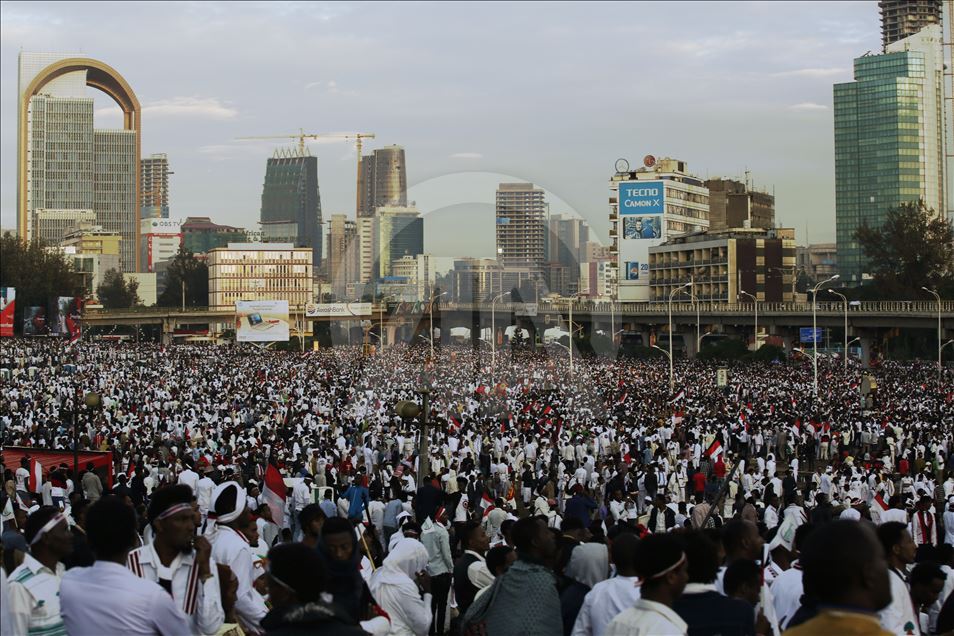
<point x="889" y="140"/>
<point x="291" y="205"/>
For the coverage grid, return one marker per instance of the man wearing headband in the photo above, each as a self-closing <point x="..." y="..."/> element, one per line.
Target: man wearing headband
<point x="662" y="568"/>
<point x="35" y="583"/>
<point x="231" y="547"/>
<point x="107" y="598"/>
<point x="179" y="561"/>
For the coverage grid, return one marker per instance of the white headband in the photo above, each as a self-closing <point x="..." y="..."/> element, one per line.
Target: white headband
<point x="57" y="518"/>
<point x="240" y="503"/>
<point x="168" y="512"/>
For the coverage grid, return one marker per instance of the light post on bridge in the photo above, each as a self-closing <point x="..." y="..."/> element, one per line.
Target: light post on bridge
<point x="381" y="304"/>
<point x="940" y="347"/>
<point x="815" y="332"/>
<point x="430" y="311"/>
<point x="672" y="377"/>
<point x="493" y="334"/>
<point x="844" y="299"/>
<point x="755" y="301"/>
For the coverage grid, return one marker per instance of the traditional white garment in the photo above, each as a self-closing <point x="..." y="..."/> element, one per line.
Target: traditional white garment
<point x="787" y="592"/>
<point x="201" y="601"/>
<point x="899" y="617"/>
<point x="603" y="603"/>
<point x="647" y="618"/>
<point x="34" y="598"/>
<point x="393" y="587"/>
<point x="232" y="549"/>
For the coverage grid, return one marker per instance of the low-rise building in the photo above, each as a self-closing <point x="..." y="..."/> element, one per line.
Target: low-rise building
<point x="260" y="271"/>
<point x="721" y="265"/>
<point x="93" y="239"/>
<point x="818" y="261"/>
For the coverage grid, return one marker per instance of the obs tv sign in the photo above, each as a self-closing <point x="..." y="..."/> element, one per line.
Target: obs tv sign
<point x="641" y="197"/>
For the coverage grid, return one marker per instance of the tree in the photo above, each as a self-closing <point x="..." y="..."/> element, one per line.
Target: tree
<point x="38" y="274"/>
<point x="115" y="292"/>
<point x="188" y="272"/>
<point x="913" y="248"/>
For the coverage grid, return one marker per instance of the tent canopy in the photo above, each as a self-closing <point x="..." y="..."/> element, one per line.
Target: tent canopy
<point x="48" y="459"/>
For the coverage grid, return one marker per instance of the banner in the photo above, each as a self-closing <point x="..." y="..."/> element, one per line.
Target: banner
<point x="8" y="297"/>
<point x="54" y="323"/>
<point x="70" y="314"/>
<point x="261" y="321"/>
<point x="339" y="310"/>
<point x="34" y="322"/>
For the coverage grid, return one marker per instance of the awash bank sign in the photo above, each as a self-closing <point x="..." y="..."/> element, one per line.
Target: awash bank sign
<point x="641" y="197"/>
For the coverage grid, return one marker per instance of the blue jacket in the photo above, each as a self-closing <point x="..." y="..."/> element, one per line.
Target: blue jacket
<point x="358" y="498"/>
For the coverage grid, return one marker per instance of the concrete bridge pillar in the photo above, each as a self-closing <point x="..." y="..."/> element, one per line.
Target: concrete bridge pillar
<point x="168" y="326"/>
<point x="689" y="337"/>
<point x="866" y="341"/>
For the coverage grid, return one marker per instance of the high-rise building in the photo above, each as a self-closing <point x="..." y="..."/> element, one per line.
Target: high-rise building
<point x="393" y="232"/>
<point x="732" y="204"/>
<point x="818" y="261"/>
<point x="889" y="140"/>
<point x="566" y="249"/>
<point x="384" y="180"/>
<point x="649" y="205"/>
<point x="343" y="255"/>
<point x="155" y="187"/>
<point x="903" y="18"/>
<point x="476" y="279"/>
<point x="63" y="162"/>
<point x="160" y="241"/>
<point x="521" y="226"/>
<point x="291" y="205"/>
<point x="50" y="226"/>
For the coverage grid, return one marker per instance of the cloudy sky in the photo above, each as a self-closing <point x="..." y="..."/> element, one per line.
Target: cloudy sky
<point x="476" y="93"/>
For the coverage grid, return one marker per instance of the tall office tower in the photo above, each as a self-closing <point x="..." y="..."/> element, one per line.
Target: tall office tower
<point x="904" y="18"/>
<point x="155" y="187"/>
<point x="64" y="164"/>
<point x="889" y="140"/>
<point x="384" y="180"/>
<point x="521" y="225"/>
<point x="733" y="204"/>
<point x="566" y="248"/>
<point x="393" y="232"/>
<point x="291" y="205"/>
<point x="343" y="253"/>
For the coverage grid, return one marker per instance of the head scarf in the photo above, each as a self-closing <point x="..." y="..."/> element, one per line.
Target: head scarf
<point x="589" y="564"/>
<point x="407" y="558"/>
<point x="228" y="502"/>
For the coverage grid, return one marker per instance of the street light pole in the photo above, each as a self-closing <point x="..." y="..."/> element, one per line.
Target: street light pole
<point x="672" y="376"/>
<point x="381" y="319"/>
<point x="430" y="311"/>
<point x="844" y="300"/>
<point x="940" y="347"/>
<point x="755" y="301"/>
<point x="815" y="332"/>
<point x="493" y="334"/>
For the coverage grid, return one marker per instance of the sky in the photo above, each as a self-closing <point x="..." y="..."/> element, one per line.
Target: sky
<point x="476" y="93"/>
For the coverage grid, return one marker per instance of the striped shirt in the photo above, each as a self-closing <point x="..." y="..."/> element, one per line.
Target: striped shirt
<point x="35" y="599"/>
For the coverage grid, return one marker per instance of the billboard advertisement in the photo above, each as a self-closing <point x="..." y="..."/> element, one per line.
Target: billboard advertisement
<point x="69" y="316"/>
<point x="34" y="322"/>
<point x="805" y="335"/>
<point x="641" y="198"/>
<point x="261" y="320"/>
<point x="8" y="297"/>
<point x="641" y="208"/>
<point x="337" y="310"/>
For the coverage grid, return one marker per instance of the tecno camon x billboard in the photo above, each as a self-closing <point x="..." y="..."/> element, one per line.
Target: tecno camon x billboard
<point x="261" y="321"/>
<point x="642" y="205"/>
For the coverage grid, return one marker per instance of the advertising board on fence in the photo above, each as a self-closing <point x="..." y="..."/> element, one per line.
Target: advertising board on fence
<point x="8" y="297"/>
<point x="261" y="321"/>
<point x="337" y="310"/>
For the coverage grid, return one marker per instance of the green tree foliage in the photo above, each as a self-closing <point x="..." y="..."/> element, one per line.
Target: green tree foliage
<point x="37" y="274"/>
<point x="115" y="292"/>
<point x="185" y="267"/>
<point x="913" y="248"/>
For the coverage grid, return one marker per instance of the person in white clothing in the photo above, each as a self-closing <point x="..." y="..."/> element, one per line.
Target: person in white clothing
<point x="301" y="497"/>
<point x="899" y="548"/>
<point x="923" y="525"/>
<point x="401" y="587"/>
<point x="179" y="561"/>
<point x="610" y="597"/>
<point x="230" y="547"/>
<point x="190" y="478"/>
<point x="107" y="598"/>
<point x="949" y="522"/>
<point x="34" y="602"/>
<point x="203" y="493"/>
<point x="662" y="566"/>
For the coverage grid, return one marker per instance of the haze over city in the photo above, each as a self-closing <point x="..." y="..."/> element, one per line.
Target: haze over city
<point x="476" y="94"/>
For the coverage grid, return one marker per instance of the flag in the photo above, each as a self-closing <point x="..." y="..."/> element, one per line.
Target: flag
<point x="879" y="499"/>
<point x="486" y="503"/>
<point x="36" y="475"/>
<point x="715" y="450"/>
<point x="679" y="396"/>
<point x="677" y="418"/>
<point x="273" y="494"/>
<point x="7" y="516"/>
<point x="623" y="398"/>
<point x="454" y="424"/>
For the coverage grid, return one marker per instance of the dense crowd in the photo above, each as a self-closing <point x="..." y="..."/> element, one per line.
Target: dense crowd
<point x="241" y="490"/>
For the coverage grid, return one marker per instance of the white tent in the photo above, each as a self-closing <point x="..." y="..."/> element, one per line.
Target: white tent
<point x="554" y="333"/>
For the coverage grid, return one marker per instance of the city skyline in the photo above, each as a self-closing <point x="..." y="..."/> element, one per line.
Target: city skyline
<point x="745" y="104"/>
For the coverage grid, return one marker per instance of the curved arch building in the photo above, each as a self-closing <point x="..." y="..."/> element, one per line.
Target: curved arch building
<point x="67" y="170"/>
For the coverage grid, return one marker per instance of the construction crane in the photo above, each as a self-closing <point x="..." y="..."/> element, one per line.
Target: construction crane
<point x="302" y="136"/>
